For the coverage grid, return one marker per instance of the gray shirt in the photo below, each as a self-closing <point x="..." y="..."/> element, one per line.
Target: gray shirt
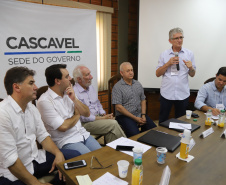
<point x="129" y="96"/>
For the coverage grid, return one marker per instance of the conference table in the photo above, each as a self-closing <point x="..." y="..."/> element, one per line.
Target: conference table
<point x="207" y="167"/>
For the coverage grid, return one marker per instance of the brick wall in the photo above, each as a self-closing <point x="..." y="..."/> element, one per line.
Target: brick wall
<point x="133" y="37"/>
<point x="103" y="95"/>
<point x="133" y="14"/>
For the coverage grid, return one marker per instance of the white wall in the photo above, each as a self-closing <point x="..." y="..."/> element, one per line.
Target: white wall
<point x="204" y="26"/>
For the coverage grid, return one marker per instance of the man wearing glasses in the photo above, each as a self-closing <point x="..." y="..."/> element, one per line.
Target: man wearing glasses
<point x="174" y="65"/>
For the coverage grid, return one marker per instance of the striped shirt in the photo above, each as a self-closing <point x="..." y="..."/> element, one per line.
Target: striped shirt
<point x="129" y="96"/>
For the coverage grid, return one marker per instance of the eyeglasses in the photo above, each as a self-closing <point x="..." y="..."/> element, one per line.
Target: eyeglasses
<point x="177" y="38"/>
<point x="102" y="167"/>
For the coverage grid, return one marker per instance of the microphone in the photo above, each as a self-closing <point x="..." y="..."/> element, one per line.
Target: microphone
<point x="176" y="55"/>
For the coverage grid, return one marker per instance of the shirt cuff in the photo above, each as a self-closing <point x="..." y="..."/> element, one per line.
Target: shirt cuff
<point x="10" y="160"/>
<point x="88" y="119"/>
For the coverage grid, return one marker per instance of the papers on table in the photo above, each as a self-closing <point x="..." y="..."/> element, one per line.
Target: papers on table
<point x="128" y="142"/>
<point x="180" y="125"/>
<point x="109" y="179"/>
<point x="84" y="180"/>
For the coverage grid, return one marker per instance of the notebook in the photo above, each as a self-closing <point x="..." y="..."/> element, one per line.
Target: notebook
<point x="167" y="122"/>
<point x="160" y="139"/>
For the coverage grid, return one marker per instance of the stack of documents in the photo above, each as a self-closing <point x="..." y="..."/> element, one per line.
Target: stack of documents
<point x="128" y="142"/>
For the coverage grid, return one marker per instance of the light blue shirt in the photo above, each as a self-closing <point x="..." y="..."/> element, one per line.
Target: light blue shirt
<point x="89" y="97"/>
<point x="210" y="96"/>
<point x="176" y="87"/>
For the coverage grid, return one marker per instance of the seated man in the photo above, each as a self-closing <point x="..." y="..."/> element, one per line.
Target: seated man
<point x="130" y="104"/>
<point x="212" y="95"/>
<point x="20" y="126"/>
<point x="98" y="122"/>
<point x="60" y="110"/>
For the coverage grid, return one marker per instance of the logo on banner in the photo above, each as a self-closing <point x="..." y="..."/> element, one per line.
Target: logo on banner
<point x="32" y="44"/>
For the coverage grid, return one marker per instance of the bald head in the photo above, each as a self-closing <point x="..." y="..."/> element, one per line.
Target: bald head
<point x="122" y="66"/>
<point x="126" y="71"/>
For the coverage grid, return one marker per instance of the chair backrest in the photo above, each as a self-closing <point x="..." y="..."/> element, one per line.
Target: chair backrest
<point x="210" y="80"/>
<point x="111" y="82"/>
<point x="72" y="81"/>
<point x="40" y="91"/>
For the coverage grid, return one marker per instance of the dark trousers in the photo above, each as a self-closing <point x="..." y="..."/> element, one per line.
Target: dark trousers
<point x="131" y="127"/>
<point x="166" y="105"/>
<point x="44" y="168"/>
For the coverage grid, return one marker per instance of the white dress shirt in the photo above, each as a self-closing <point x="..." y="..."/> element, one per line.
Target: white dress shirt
<point x="18" y="134"/>
<point x="176" y="87"/>
<point x="54" y="111"/>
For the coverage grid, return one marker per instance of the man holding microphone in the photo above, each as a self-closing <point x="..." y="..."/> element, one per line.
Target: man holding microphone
<point x="174" y="65"/>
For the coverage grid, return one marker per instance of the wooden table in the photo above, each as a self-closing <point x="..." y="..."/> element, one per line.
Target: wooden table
<point x="207" y="168"/>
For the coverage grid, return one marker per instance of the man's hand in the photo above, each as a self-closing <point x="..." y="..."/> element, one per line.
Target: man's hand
<point x="58" y="158"/>
<point x="140" y="121"/>
<point x="215" y="111"/>
<point x="105" y="116"/>
<point x="108" y="116"/>
<point x="70" y="92"/>
<point x="173" y="60"/>
<point x="188" y="64"/>
<point x="144" y="118"/>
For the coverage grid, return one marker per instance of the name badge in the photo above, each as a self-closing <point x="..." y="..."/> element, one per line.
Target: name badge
<point x="174" y="71"/>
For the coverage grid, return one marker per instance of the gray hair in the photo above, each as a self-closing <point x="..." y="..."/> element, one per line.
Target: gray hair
<point x="123" y="64"/>
<point x="77" y="72"/>
<point x="174" y="31"/>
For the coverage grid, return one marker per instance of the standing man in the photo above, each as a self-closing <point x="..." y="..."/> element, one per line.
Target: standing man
<point x="130" y="104"/>
<point x="98" y="123"/>
<point x="21" y="162"/>
<point x="61" y="110"/>
<point x="212" y="95"/>
<point x="174" y="65"/>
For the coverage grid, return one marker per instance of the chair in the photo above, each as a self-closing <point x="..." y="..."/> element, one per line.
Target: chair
<point x="210" y="80"/>
<point x="40" y="91"/>
<point x="111" y="82"/>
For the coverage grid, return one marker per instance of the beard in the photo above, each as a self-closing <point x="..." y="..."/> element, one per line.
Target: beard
<point x="86" y="84"/>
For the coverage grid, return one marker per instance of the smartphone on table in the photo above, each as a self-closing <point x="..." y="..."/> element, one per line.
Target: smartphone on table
<point x="124" y="148"/>
<point x="74" y="164"/>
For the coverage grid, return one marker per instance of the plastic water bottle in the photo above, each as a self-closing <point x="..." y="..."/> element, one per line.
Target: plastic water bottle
<point x="137" y="172"/>
<point x="221" y="119"/>
<point x="184" y="146"/>
<point x="208" y="117"/>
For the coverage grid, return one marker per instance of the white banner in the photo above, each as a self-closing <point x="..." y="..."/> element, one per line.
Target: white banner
<point x="37" y="36"/>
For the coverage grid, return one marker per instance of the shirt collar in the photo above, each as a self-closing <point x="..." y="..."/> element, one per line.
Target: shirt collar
<point x="124" y="83"/>
<point x="53" y="94"/>
<point x="171" y="51"/>
<point x="80" y="88"/>
<point x="15" y="105"/>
